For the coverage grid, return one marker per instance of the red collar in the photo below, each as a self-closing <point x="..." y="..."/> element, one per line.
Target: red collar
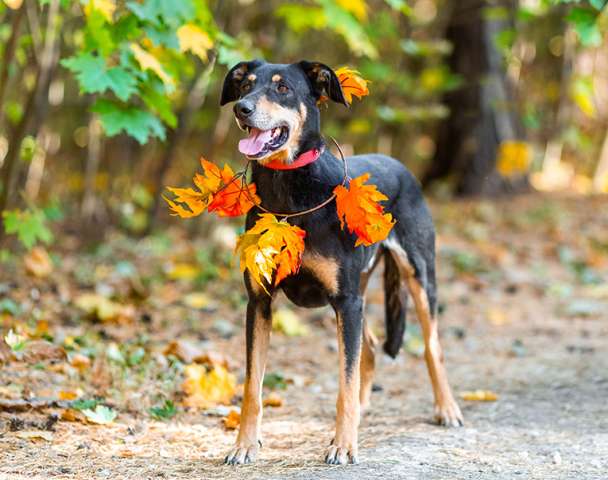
<point x="302" y="160"/>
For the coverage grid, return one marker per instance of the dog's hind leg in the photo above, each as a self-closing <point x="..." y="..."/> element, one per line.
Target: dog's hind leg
<point x="368" y="349"/>
<point x="422" y="289"/>
<point x="258" y="326"/>
<point x="349" y="315"/>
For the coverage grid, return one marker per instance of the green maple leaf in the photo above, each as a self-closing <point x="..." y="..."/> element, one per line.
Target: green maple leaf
<point x="101" y="415"/>
<point x="158" y="12"/>
<point x="138" y="123"/>
<point x="29" y="226"/>
<point x="94" y="77"/>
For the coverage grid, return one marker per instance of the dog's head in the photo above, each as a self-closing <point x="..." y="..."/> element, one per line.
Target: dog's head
<point x="277" y="106"/>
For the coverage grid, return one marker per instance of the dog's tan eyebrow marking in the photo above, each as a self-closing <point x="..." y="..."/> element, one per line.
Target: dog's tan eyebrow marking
<point x="276" y="77"/>
<point x="252" y="77"/>
<point x="325" y="269"/>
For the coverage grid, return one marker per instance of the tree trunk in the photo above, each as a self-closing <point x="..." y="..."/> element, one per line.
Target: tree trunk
<point x="479" y="119"/>
<point x="9" y="53"/>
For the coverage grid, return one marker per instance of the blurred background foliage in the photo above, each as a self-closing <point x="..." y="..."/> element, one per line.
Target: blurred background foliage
<point x="103" y="102"/>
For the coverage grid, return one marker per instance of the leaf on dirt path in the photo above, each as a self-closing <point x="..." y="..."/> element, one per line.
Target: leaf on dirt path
<point x="102" y="415"/>
<point x="206" y="387"/>
<point x="35" y="435"/>
<point x="15" y="341"/>
<point x="5" y="352"/>
<point x="271" y="245"/>
<point x="412" y="340"/>
<point x="197" y="300"/>
<point x="80" y="362"/>
<point x="104" y="309"/>
<point x="73" y="415"/>
<point x="273" y="400"/>
<point x="287" y="322"/>
<point x="184" y="350"/>
<point x="164" y="412"/>
<point x="38" y="263"/>
<point x="232" y="420"/>
<point x="275" y="380"/>
<point x="497" y="316"/>
<point x="479" y="396"/>
<point x="183" y="271"/>
<point x="40" y="350"/>
<point x="358" y="207"/>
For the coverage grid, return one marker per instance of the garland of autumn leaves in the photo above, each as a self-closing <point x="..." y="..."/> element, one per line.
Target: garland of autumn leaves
<point x="273" y="247"/>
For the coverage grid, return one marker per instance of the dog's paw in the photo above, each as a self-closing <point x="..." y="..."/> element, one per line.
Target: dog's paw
<point x="449" y="415"/>
<point x="337" y="455"/>
<point x="242" y="455"/>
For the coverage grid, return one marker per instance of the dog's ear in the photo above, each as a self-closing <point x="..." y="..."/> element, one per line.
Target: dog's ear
<point x="324" y="81"/>
<point x="230" y="90"/>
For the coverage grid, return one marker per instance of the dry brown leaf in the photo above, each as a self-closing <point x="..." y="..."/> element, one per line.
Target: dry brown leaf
<point x="105" y="309"/>
<point x="5" y="352"/>
<point x="232" y="420"/>
<point x="186" y="351"/>
<point x="273" y="400"/>
<point x="206" y="388"/>
<point x="35" y="435"/>
<point x="80" y="362"/>
<point x="38" y="263"/>
<point x="73" y="415"/>
<point x="41" y="350"/>
<point x="479" y="396"/>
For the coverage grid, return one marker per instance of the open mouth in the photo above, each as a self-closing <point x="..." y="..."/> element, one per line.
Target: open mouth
<point x="262" y="142"/>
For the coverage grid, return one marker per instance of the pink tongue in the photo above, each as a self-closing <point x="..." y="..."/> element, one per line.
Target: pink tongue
<point x="254" y="143"/>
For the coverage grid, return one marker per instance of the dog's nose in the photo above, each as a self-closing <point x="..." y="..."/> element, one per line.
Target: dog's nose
<point x="244" y="108"/>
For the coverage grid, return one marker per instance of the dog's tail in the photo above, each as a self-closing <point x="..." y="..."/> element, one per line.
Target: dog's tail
<point x="395" y="305"/>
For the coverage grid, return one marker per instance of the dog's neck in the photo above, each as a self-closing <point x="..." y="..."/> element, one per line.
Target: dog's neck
<point x="287" y="191"/>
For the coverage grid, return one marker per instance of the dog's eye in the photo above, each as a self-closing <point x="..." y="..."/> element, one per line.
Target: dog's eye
<point x="245" y="88"/>
<point x="282" y="88"/>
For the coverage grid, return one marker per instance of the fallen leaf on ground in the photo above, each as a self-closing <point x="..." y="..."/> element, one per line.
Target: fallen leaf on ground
<point x="38" y="263"/>
<point x="206" y="387"/>
<point x="5" y="352"/>
<point x="35" y="435"/>
<point x="479" y="396"/>
<point x="183" y="271"/>
<point x="80" y="362"/>
<point x="196" y="300"/>
<point x="184" y="350"/>
<point x="40" y="350"/>
<point x="102" y="415"/>
<point x="72" y="415"/>
<point x="232" y="420"/>
<point x="273" y="400"/>
<point x="104" y="309"/>
<point x="288" y="323"/>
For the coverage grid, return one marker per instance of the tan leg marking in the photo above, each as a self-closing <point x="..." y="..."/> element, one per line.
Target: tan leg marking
<point x="247" y="442"/>
<point x="447" y="411"/>
<point x="368" y="364"/>
<point x="344" y="447"/>
<point x="325" y="270"/>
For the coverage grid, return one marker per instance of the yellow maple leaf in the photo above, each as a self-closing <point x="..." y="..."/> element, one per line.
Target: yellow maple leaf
<point x="357" y="207"/>
<point x="357" y="7"/>
<point x="105" y="7"/>
<point x="13" y="4"/>
<point x="147" y="61"/>
<point x="479" y="396"/>
<point x="513" y="158"/>
<point x="271" y="247"/>
<point x="194" y="39"/>
<point x="206" y="388"/>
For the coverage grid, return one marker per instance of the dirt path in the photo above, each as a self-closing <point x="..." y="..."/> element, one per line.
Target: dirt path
<point x="544" y="354"/>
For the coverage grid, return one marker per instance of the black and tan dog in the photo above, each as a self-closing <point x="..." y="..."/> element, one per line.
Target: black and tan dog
<point x="278" y="106"/>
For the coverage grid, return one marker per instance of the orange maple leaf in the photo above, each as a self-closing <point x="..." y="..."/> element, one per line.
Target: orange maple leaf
<point x="352" y="83"/>
<point x="234" y="198"/>
<point x="358" y="207"/>
<point x="271" y="247"/>
<point x="217" y="191"/>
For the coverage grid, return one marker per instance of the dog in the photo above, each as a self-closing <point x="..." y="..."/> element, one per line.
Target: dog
<point x="278" y="106"/>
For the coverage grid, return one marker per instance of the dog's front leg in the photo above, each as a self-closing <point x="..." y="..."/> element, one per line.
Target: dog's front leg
<point x="349" y="316"/>
<point x="258" y="326"/>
